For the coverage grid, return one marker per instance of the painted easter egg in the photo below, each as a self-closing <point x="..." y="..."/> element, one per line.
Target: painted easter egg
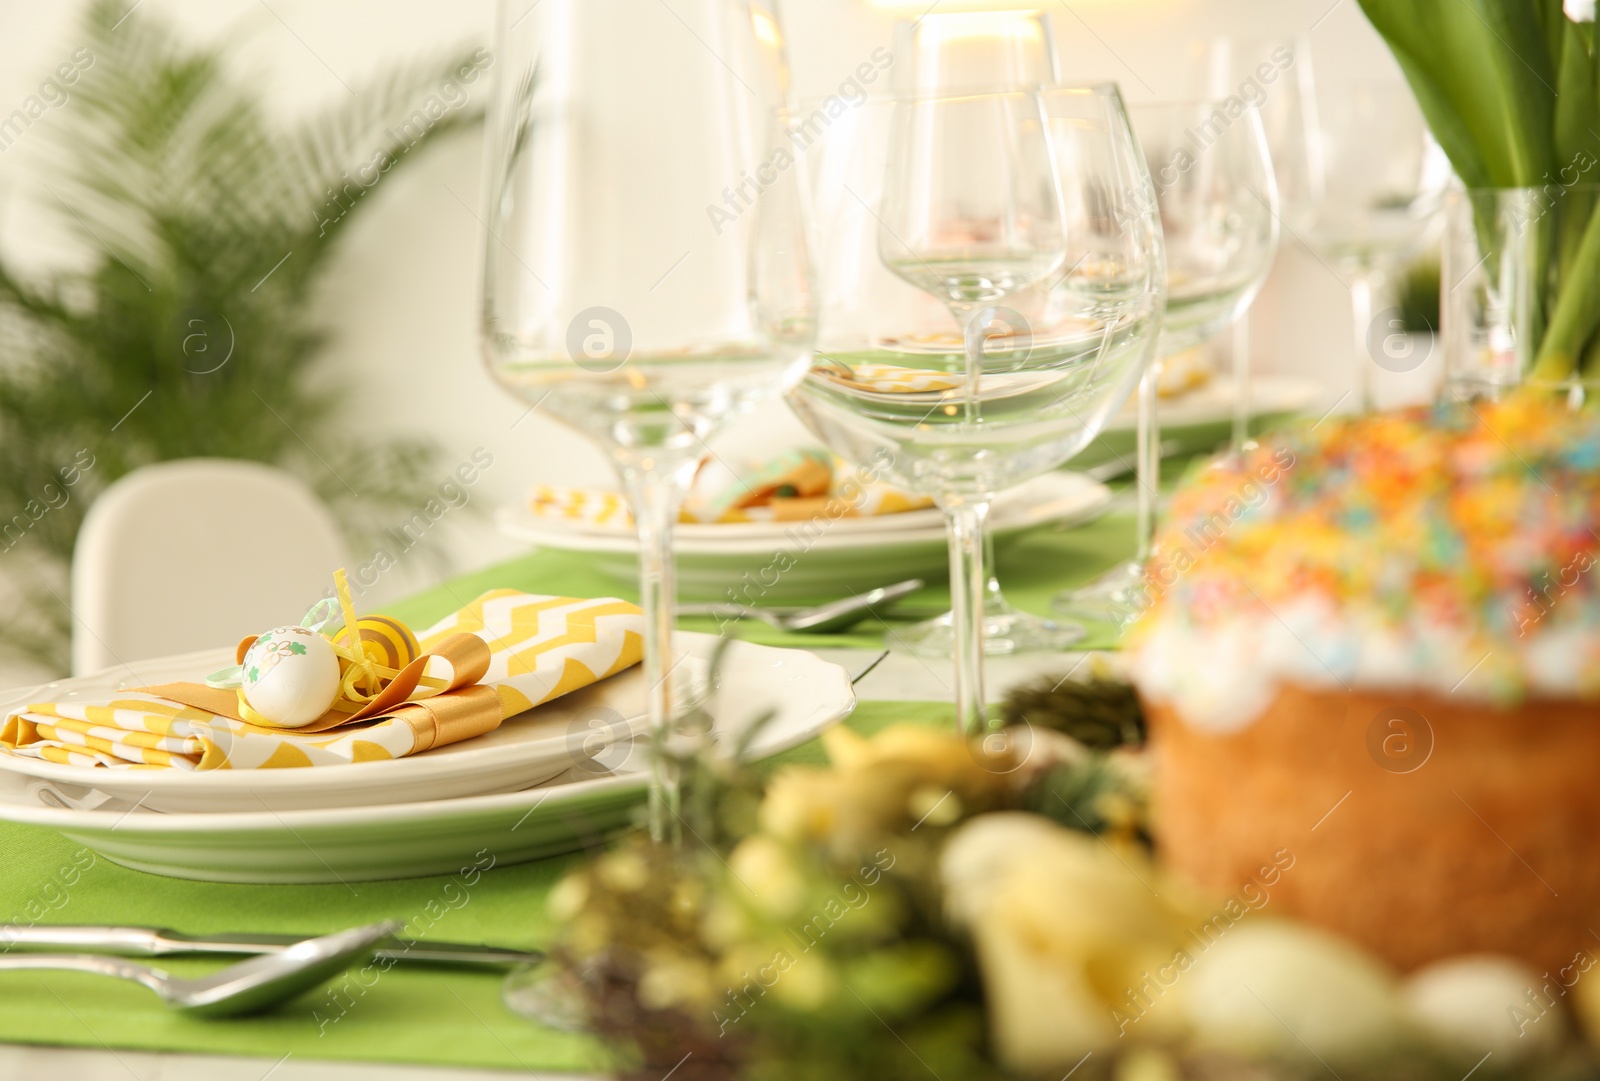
<point x="290" y="676"/>
<point x="385" y="640"/>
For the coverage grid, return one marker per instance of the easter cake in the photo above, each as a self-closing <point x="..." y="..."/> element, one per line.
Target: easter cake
<point x="1374" y="644"/>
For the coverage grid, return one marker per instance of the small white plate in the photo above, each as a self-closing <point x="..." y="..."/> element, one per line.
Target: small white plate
<point x="1212" y="403"/>
<point x="767" y="562"/>
<point x="404" y="840"/>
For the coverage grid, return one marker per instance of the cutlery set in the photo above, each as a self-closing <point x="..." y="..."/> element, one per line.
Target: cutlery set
<point x="277" y="967"/>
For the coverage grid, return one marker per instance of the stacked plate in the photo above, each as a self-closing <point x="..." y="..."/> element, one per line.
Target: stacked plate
<point x="827" y="557"/>
<point x="555" y="779"/>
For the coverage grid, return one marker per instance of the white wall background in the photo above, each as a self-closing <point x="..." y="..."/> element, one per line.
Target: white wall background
<point x="401" y="302"/>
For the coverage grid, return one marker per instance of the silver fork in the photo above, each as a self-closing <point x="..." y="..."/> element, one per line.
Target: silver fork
<point x="823" y="619"/>
<point x="248" y="987"/>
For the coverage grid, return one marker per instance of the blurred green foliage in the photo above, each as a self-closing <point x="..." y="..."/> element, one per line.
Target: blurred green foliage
<point x="1417" y="295"/>
<point x="189" y="331"/>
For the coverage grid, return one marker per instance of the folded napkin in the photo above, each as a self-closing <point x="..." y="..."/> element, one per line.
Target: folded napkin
<point x="794" y="486"/>
<point x="501" y="655"/>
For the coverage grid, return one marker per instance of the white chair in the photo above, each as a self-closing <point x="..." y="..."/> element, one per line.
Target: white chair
<point x="193" y="554"/>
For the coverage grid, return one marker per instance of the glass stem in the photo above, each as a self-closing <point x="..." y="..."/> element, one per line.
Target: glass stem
<point x="1241" y="384"/>
<point x="967" y="519"/>
<point x="1361" y="289"/>
<point x="994" y="602"/>
<point x="1147" y="460"/>
<point x="967" y="577"/>
<point x="657" y="485"/>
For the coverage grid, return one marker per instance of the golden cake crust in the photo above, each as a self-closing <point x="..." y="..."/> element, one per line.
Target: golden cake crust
<point x="1421" y="826"/>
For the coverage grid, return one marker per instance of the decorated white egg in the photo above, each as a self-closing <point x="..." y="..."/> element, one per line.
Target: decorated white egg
<point x="290" y="676"/>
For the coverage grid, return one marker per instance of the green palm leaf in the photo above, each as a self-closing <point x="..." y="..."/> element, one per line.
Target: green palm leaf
<point x="207" y="224"/>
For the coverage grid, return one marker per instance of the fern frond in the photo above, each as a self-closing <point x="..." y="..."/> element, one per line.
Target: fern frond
<point x="190" y="335"/>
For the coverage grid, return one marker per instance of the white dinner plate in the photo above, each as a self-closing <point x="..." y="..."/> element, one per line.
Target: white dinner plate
<point x="402" y="840"/>
<point x="767" y="562"/>
<point x="524" y="751"/>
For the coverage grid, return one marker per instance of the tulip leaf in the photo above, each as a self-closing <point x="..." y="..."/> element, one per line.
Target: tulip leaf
<point x="1577" y="114"/>
<point x="1553" y="25"/>
<point x="1484" y="78"/>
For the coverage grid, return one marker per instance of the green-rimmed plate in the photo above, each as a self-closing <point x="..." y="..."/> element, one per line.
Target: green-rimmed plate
<point x="403" y="840"/>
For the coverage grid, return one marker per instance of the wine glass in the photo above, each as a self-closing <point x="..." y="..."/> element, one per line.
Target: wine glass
<point x="1274" y="77"/>
<point x="978" y="320"/>
<point x="1219" y="214"/>
<point x="1104" y="187"/>
<point x="1377" y="198"/>
<point x="644" y="281"/>
<point x="942" y="53"/>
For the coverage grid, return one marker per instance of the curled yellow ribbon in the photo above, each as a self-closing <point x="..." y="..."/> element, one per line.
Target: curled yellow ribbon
<point x="363" y="678"/>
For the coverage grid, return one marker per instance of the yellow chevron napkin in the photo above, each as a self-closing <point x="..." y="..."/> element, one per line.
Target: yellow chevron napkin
<point x="499" y="656"/>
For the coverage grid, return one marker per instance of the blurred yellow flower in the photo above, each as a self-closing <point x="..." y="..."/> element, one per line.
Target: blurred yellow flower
<point x="901" y="777"/>
<point x="672" y="980"/>
<point x="762" y="865"/>
<point x="1068" y="933"/>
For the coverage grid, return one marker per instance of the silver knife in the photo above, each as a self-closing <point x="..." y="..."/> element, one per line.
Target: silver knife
<point x="161" y="942"/>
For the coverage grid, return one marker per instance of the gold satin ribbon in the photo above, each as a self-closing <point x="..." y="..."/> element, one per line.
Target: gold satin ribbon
<point x="360" y="683"/>
<point x="438" y="712"/>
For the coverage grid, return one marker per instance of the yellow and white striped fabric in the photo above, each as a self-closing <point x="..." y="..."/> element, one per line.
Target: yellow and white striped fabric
<point x="540" y="648"/>
<point x="595" y="506"/>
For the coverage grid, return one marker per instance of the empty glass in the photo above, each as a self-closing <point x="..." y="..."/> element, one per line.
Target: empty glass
<point x="646" y="273"/>
<point x="989" y="285"/>
<point x="1219" y="214"/>
<point x="1379" y="188"/>
<point x="1274" y="77"/>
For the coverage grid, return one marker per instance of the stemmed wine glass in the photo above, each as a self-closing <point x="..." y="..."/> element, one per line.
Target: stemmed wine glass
<point x="1093" y="141"/>
<point x="968" y="209"/>
<point x="1274" y="77"/>
<point x="1379" y="192"/>
<point x="1219" y="214"/>
<point x="646" y="273"/>
<point x="947" y="52"/>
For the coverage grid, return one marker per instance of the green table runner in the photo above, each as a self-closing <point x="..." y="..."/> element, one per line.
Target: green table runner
<point x="408" y="1015"/>
<point x="1034" y="567"/>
